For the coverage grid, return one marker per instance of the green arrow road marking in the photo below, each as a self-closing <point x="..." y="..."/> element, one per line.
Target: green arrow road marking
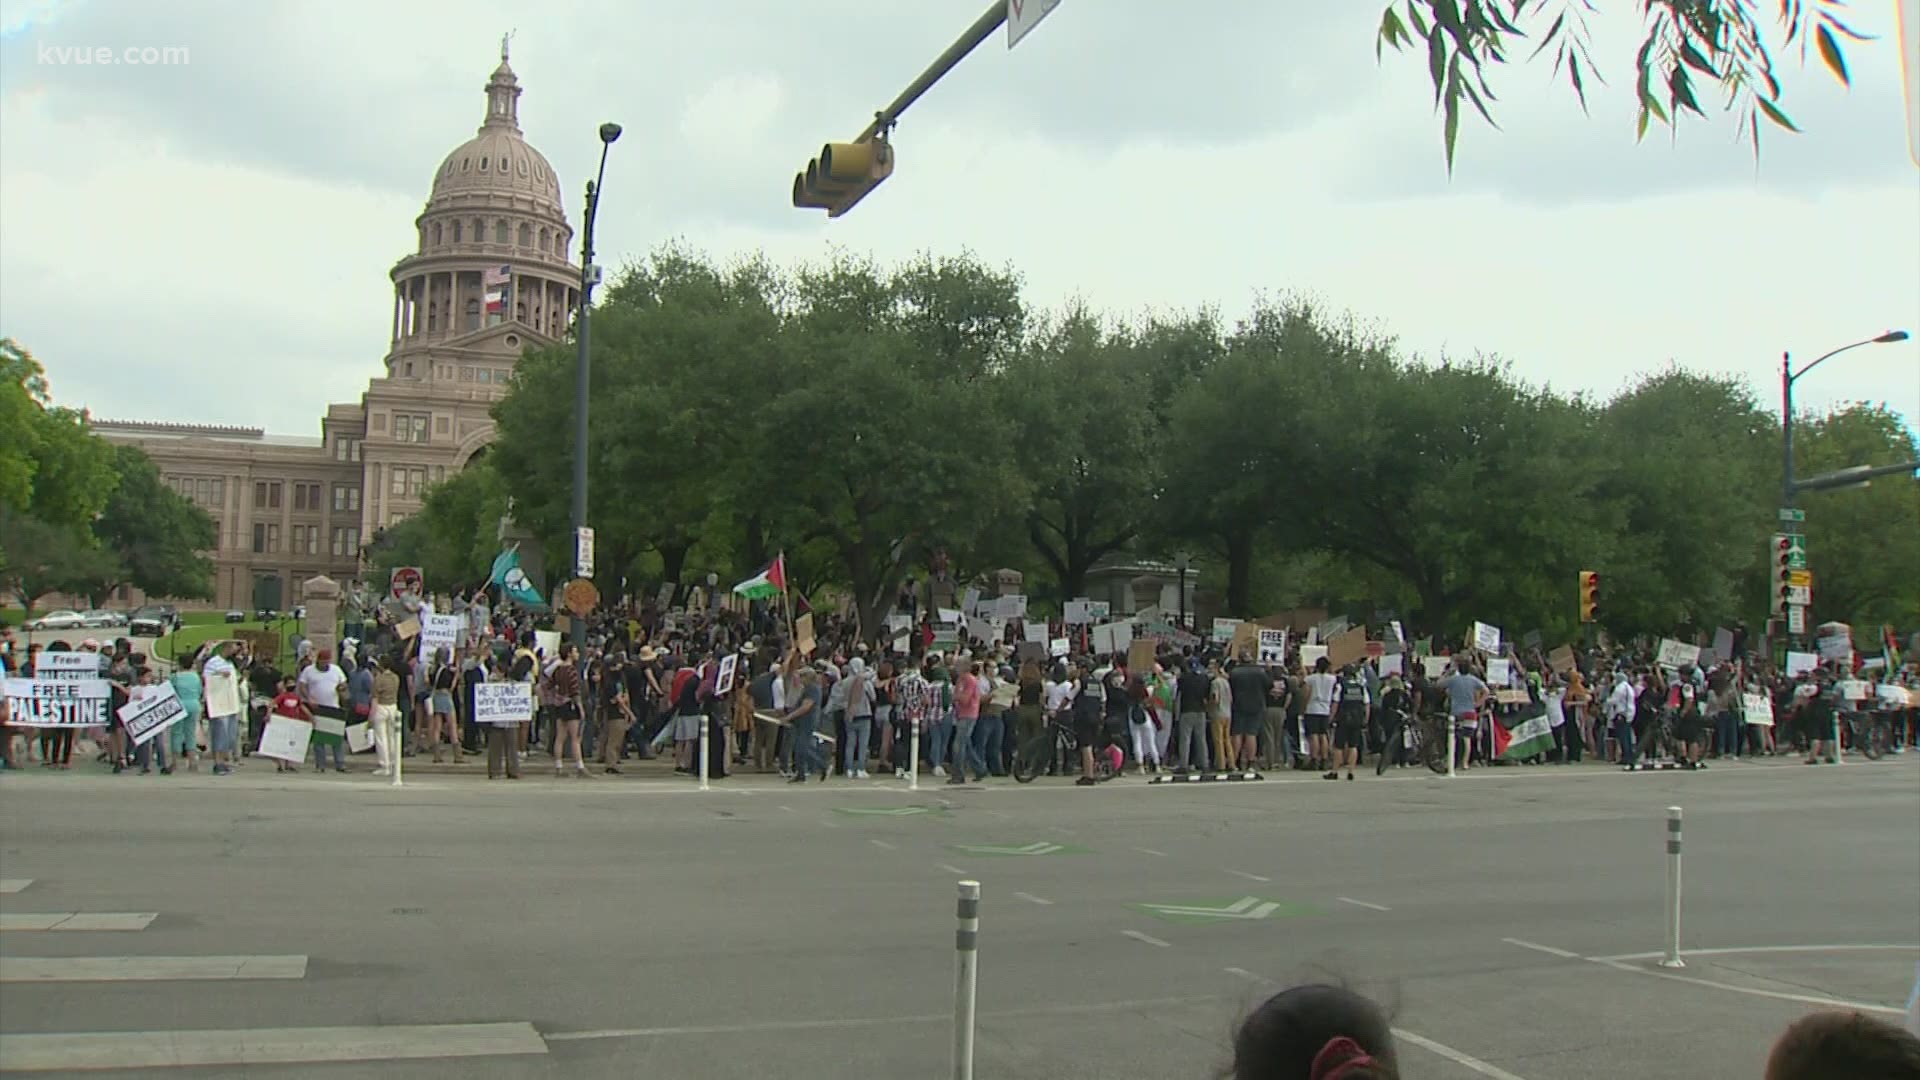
<point x="884" y="811"/>
<point x="1243" y="909"/>
<point x="1038" y="847"/>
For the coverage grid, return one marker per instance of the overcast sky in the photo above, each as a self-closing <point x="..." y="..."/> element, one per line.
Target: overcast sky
<point x="210" y="241"/>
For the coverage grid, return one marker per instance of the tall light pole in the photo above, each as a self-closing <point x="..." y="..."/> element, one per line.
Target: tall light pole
<point x="1790" y="521"/>
<point x="589" y="277"/>
<point x="1183" y="560"/>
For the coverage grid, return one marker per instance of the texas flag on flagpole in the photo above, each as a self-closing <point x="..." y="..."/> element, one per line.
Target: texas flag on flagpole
<point x="494" y="281"/>
<point x="768" y="583"/>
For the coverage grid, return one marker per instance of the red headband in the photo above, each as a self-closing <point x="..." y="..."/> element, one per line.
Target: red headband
<point x="1337" y="1059"/>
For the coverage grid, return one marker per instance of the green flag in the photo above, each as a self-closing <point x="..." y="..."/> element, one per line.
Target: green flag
<point x="513" y="580"/>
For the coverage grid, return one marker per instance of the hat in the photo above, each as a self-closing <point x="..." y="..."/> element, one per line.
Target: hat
<point x="749" y="649"/>
<point x="91" y="644"/>
<point x="648" y="655"/>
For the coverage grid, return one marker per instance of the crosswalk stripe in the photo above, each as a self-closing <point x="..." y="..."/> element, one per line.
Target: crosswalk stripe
<point x="37" y="969"/>
<point x="76" y="920"/>
<point x="10" y="885"/>
<point x="264" y="1046"/>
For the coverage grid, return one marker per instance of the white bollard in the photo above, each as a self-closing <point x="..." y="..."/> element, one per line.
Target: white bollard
<point x="394" y="746"/>
<point x="913" y="758"/>
<point x="1452" y="745"/>
<point x="966" y="946"/>
<point x="1672" y="958"/>
<point x="703" y="751"/>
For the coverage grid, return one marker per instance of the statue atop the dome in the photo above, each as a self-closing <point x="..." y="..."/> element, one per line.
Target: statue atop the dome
<point x="504" y="39"/>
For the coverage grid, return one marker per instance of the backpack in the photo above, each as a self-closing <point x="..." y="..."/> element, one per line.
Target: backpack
<point x="1353" y="692"/>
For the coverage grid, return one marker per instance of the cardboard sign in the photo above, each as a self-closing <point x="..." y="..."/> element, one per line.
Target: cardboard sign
<point x="261" y="643"/>
<point x="1347" y="647"/>
<point x="1561" y="659"/>
<point x="803" y="638"/>
<point x="285" y="738"/>
<point x="149" y="716"/>
<point x="1512" y="697"/>
<point x="1245" y="644"/>
<point x="1757" y="709"/>
<point x="223" y="695"/>
<point x="59" y="703"/>
<point x="502" y="703"/>
<point x="1140" y="655"/>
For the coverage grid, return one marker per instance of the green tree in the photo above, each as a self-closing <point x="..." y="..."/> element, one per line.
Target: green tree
<point x="155" y="534"/>
<point x="1690" y="49"/>
<point x="1863" y="546"/>
<point x="67" y="471"/>
<point x="38" y="559"/>
<point x="453" y="537"/>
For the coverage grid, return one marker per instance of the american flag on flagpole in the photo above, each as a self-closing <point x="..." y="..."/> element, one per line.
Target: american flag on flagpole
<point x="495" y="281"/>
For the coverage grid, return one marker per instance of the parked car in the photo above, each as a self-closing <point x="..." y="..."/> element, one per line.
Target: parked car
<point x="236" y="616"/>
<point x="58" y="620"/>
<point x="100" y="619"/>
<point x="154" y="620"/>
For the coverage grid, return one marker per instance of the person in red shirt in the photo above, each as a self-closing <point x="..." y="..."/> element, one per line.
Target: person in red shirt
<point x="287" y="703"/>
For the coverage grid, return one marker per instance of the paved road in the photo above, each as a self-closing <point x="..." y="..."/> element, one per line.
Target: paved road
<point x="610" y="928"/>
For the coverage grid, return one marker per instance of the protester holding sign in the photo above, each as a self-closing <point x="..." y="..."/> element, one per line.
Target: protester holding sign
<point x="146" y="686"/>
<point x="320" y="685"/>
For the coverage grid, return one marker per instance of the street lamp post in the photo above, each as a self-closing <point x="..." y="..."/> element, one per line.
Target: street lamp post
<point x="1790" y="487"/>
<point x="1183" y="560"/>
<point x="589" y="277"/>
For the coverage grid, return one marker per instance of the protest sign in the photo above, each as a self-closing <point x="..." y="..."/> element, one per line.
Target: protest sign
<point x="1058" y="647"/>
<point x="285" y="739"/>
<point x="1532" y="640"/>
<point x="359" y="738"/>
<point x="981" y="628"/>
<point x="59" y="703"/>
<point x="1436" y="666"/>
<point x="1035" y="632"/>
<point x="148" y="716"/>
<point x="1399" y="634"/>
<point x="329" y="725"/>
<point x="502" y="703"/>
<point x="1140" y="656"/>
<point x="970" y="602"/>
<point x="223" y="695"/>
<point x="1011" y="607"/>
<point x="1099" y="609"/>
<point x="1223" y="630"/>
<point x="1854" y="689"/>
<point x="1723" y="643"/>
<point x="1392" y="663"/>
<point x="949" y="616"/>
<point x="1076" y="613"/>
<point x="1837" y="645"/>
<point x="439" y="632"/>
<point x="1757" y="709"/>
<point x="803" y="638"/>
<point x="1245" y="644"/>
<point x="1347" y="647"/>
<point x="1486" y="637"/>
<point x="263" y="644"/>
<point x="1499" y="671"/>
<point x="1561" y="659"/>
<point x="1272" y="646"/>
<point x="1310" y="655"/>
<point x="723" y="678"/>
<point x="1895" y="697"/>
<point x="1110" y="638"/>
<point x="1677" y="654"/>
<point x="68" y="666"/>
<point x="547" y="643"/>
<point x="1799" y="663"/>
<point x="1512" y="697"/>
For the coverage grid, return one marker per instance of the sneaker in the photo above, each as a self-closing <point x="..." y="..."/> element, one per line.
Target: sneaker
<point x="1331" y="776"/>
<point x="939" y="770"/>
<point x="1349" y="775"/>
<point x="1085" y="781"/>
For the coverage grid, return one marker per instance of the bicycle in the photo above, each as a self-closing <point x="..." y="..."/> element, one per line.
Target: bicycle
<point x="1871" y="733"/>
<point x="1057" y="742"/>
<point x="1426" y="741"/>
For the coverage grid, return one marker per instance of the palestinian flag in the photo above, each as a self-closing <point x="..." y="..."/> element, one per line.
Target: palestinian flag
<point x="767" y="584"/>
<point x="1890" y="648"/>
<point x="1528" y="737"/>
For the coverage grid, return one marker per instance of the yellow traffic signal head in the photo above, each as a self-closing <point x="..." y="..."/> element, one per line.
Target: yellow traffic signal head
<point x="1589" y="595"/>
<point x="842" y="175"/>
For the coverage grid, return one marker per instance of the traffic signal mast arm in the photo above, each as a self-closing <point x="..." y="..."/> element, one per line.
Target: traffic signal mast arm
<point x="844" y="173"/>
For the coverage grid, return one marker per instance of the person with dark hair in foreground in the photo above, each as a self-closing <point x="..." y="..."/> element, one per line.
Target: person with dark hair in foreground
<point x="1844" y="1046"/>
<point x="1315" y="1032"/>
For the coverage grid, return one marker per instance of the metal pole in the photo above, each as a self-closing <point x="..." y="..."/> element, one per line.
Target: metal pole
<point x="1786" y="429"/>
<point x="966" y="946"/>
<point x="583" y="326"/>
<point x="992" y="19"/>
<point x="1452" y="737"/>
<point x="1672" y="958"/>
<point x="394" y="742"/>
<point x="703" y="751"/>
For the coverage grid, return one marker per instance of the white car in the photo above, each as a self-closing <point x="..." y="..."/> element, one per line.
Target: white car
<point x="102" y="619"/>
<point x="58" y="620"/>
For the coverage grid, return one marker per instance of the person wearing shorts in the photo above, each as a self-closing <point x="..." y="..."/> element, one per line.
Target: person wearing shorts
<point x="1321" y="689"/>
<point x="1350" y="723"/>
<point x="223" y="732"/>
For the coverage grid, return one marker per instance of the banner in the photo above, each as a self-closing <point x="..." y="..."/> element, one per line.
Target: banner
<point x="1758" y="709"/>
<point x="502" y="703"/>
<point x="149" y="716"/>
<point x="59" y="703"/>
<point x="1272" y="647"/>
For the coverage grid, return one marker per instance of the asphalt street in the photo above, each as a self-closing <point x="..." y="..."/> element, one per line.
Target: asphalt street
<point x="307" y="925"/>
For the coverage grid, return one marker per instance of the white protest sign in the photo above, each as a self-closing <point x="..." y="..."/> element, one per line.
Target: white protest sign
<point x="1273" y="647"/>
<point x="1012" y="607"/>
<point x="150" y="715"/>
<point x="970" y="602"/>
<point x="1057" y="647"/>
<point x="1076" y="613"/>
<point x="1723" y="643"/>
<point x="1399" y="634"/>
<point x="67" y="666"/>
<point x="1099" y="609"/>
<point x="1311" y="655"/>
<point x="1499" y="672"/>
<point x="223" y="695"/>
<point x="1391" y="664"/>
<point x="1677" y="654"/>
<point x="59" y="703"/>
<point x="1035" y="632"/>
<point x="1854" y="689"/>
<point x="285" y="738"/>
<point x="1486" y="637"/>
<point x="1436" y="666"/>
<point x="1757" y="709"/>
<point x="723" y="678"/>
<point x="1894" y="697"/>
<point x="547" y="642"/>
<point x="1222" y="632"/>
<point x="1799" y="663"/>
<point x="949" y="616"/>
<point x="438" y="632"/>
<point x="981" y="628"/>
<point x="502" y="703"/>
<point x="359" y="738"/>
<point x="1836" y="646"/>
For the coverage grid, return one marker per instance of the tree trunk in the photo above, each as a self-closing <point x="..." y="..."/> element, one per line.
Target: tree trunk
<point x="673" y="560"/>
<point x="756" y="543"/>
<point x="1240" y="574"/>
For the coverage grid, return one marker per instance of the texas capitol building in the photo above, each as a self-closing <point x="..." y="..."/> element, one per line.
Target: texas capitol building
<point x="489" y="278"/>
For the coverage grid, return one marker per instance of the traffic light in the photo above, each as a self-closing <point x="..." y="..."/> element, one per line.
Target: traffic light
<point x="1785" y="549"/>
<point x="1589" y="596"/>
<point x="842" y="175"/>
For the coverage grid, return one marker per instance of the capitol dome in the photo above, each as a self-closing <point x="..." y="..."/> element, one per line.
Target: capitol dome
<point x="497" y="160"/>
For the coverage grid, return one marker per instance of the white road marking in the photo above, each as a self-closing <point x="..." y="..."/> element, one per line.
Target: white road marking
<point x="1061" y="829"/>
<point x="1148" y="938"/>
<point x="1777" y="995"/>
<point x="788" y="809"/>
<point x="951" y="869"/>
<point x="1032" y="899"/>
<point x="31" y="969"/>
<point x="881" y="844"/>
<point x="1455" y="1056"/>
<point x="871" y="1021"/>
<point x="1249" y="877"/>
<point x="263" y="1046"/>
<point x="1261" y="980"/>
<point x="1550" y="950"/>
<point x="1362" y="903"/>
<point x="76" y="920"/>
<point x="1760" y="949"/>
<point x="14" y="884"/>
<point x="1150" y="851"/>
